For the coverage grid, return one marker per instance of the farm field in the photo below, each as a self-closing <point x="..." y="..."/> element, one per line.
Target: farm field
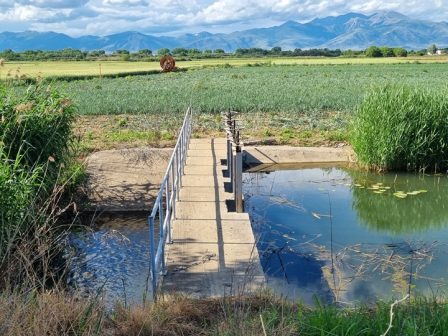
<point x="301" y="105"/>
<point x="290" y="89"/>
<point x="92" y="68"/>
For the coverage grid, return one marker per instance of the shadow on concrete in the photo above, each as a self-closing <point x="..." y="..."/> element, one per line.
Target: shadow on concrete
<point x="126" y="179"/>
<point x="121" y="197"/>
<point x="222" y="262"/>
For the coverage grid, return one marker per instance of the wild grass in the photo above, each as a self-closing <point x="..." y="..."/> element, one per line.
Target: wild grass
<point x="55" y="313"/>
<point x="402" y="128"/>
<point x="49" y="313"/>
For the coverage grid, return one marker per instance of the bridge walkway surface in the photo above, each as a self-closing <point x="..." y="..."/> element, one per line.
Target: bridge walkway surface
<point x="213" y="252"/>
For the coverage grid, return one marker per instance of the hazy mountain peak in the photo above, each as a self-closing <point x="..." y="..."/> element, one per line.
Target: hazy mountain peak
<point x="348" y="31"/>
<point x="387" y="17"/>
<point x="341" y="19"/>
<point x="290" y="24"/>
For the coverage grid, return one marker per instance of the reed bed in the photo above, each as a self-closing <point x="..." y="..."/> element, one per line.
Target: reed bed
<point x="402" y="128"/>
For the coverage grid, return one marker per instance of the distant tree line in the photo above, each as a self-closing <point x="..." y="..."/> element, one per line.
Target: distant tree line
<point x="277" y="51"/>
<point x="194" y="53"/>
<point x="375" y="51"/>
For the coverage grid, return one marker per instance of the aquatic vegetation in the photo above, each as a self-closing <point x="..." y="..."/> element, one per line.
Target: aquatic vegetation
<point x="409" y="203"/>
<point x="402" y="128"/>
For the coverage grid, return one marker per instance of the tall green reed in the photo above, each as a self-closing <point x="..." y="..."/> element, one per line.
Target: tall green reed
<point x="402" y="128"/>
<point x="35" y="153"/>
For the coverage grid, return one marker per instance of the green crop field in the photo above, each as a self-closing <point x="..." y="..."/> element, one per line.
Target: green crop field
<point x="93" y="68"/>
<point x="291" y="89"/>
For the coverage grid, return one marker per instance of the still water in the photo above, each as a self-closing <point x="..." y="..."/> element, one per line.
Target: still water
<point x="349" y="236"/>
<point x="108" y="257"/>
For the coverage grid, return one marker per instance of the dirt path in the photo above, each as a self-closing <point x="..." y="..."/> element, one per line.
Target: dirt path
<point x="126" y="179"/>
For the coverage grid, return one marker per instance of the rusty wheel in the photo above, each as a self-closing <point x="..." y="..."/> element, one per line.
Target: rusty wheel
<point x="167" y="63"/>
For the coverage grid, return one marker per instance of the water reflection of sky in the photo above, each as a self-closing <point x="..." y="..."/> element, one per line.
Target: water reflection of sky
<point x="112" y="259"/>
<point x="343" y="235"/>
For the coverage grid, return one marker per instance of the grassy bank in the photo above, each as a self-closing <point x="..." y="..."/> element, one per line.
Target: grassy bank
<point x="106" y="132"/>
<point x="57" y="314"/>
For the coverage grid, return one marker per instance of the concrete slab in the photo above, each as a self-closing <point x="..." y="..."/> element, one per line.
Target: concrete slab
<point x="202" y="180"/>
<point x="288" y="154"/>
<point x="204" y="170"/>
<point x="216" y="146"/>
<point x="209" y="141"/>
<point x="205" y="161"/>
<point x="215" y="210"/>
<point x="208" y="152"/>
<point x="188" y="194"/>
<point x="229" y="231"/>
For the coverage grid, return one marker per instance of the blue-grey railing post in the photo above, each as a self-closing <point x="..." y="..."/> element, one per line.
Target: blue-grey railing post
<point x="173" y="193"/>
<point x="178" y="159"/>
<point x="238" y="177"/>
<point x="168" y="208"/>
<point x="162" y="233"/>
<point x="229" y="159"/>
<point x="181" y="153"/>
<point x="229" y="124"/>
<point x="152" y="252"/>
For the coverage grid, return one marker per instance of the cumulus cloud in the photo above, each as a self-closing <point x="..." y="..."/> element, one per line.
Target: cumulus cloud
<point x="154" y="16"/>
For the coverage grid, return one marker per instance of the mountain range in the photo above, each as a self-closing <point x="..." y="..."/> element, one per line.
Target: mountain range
<point x="349" y="31"/>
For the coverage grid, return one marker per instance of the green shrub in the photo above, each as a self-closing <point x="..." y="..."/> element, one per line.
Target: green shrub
<point x="35" y="155"/>
<point x="373" y="52"/>
<point x="17" y="190"/>
<point x="402" y="128"/>
<point x="36" y="126"/>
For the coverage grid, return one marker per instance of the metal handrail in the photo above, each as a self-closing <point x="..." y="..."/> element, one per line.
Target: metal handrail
<point x="168" y="194"/>
<point x="234" y="157"/>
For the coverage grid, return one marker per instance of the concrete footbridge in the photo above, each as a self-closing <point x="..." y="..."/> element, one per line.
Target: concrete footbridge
<point x="200" y="244"/>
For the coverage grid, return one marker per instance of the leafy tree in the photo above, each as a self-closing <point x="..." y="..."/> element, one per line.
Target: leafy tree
<point x="97" y="53"/>
<point x="387" y="52"/>
<point x="163" y="51"/>
<point x="219" y="51"/>
<point x="276" y="50"/>
<point x="145" y="52"/>
<point x="373" y="52"/>
<point x="122" y="52"/>
<point x="194" y="52"/>
<point x="400" y="52"/>
<point x="432" y="49"/>
<point x="180" y="52"/>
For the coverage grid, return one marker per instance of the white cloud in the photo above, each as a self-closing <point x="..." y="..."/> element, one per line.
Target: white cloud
<point x="156" y="16"/>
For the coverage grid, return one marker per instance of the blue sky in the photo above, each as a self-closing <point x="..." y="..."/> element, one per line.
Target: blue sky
<point x="171" y="17"/>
